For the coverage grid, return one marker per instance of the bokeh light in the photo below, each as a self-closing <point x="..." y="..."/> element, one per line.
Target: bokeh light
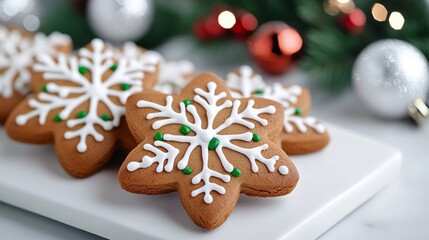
<point x="379" y="12"/>
<point x="31" y="23"/>
<point x="358" y="18"/>
<point x="396" y="20"/>
<point x="346" y="7"/>
<point x="249" y="22"/>
<point x="334" y="7"/>
<point x="226" y="19"/>
<point x="290" y="42"/>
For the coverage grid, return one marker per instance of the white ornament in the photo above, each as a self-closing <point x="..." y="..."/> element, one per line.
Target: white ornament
<point x="17" y="53"/>
<point x="67" y="89"/>
<point x="204" y="134"/>
<point x="120" y="20"/>
<point x="246" y="83"/>
<point x="388" y="75"/>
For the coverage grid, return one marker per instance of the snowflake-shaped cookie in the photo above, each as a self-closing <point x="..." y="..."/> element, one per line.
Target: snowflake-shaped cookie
<point x="301" y="133"/>
<point x="172" y="75"/>
<point x="17" y="52"/>
<point x="207" y="146"/>
<point x="80" y="103"/>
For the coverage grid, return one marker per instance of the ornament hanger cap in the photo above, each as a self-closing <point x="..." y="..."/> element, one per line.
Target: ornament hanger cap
<point x="419" y="110"/>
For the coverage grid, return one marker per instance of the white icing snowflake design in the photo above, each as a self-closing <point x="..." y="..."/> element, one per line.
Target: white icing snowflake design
<point x="171" y="75"/>
<point x="207" y="137"/>
<point x="17" y="54"/>
<point x="302" y="123"/>
<point x="246" y="83"/>
<point x="132" y="52"/>
<point x="71" y="88"/>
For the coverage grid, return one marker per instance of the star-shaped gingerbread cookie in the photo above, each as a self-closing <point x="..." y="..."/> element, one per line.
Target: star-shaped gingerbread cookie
<point x="207" y="146"/>
<point x="17" y="55"/>
<point x="79" y="105"/>
<point x="301" y="133"/>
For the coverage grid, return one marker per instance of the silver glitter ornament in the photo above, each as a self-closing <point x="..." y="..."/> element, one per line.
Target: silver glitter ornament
<point x="120" y="20"/>
<point x="389" y="75"/>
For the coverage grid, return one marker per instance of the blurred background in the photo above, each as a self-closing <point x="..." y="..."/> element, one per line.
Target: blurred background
<point x="323" y="37"/>
<point x="364" y="60"/>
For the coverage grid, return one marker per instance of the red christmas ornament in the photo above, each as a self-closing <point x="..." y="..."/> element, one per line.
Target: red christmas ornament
<point x="353" y="22"/>
<point x="200" y="30"/>
<point x="224" y="22"/>
<point x="208" y="29"/>
<point x="213" y="28"/>
<point x="275" y="46"/>
<point x="246" y="23"/>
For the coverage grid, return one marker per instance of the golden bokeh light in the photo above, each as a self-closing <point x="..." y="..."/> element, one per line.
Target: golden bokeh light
<point x="334" y="7"/>
<point x="346" y="7"/>
<point x="330" y="8"/>
<point x="379" y="12"/>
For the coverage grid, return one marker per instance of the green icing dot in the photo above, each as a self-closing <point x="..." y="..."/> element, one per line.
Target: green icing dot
<point x="81" y="114"/>
<point x="259" y="91"/>
<point x="159" y="136"/>
<point x="45" y="88"/>
<point x="256" y="137"/>
<point x="187" y="102"/>
<point x="214" y="142"/>
<point x="187" y="170"/>
<point x="57" y="118"/>
<point x="185" y="129"/>
<point x="114" y="67"/>
<point x="125" y="86"/>
<point x="83" y="70"/>
<point x="236" y="172"/>
<point x="298" y="111"/>
<point x="105" y="117"/>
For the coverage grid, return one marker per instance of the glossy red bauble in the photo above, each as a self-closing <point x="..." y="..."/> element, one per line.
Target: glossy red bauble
<point x="275" y="46"/>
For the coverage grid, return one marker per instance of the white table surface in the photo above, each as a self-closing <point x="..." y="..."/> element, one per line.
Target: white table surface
<point x="401" y="211"/>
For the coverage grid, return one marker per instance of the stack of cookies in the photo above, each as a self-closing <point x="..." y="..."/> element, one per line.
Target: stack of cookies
<point x="207" y="139"/>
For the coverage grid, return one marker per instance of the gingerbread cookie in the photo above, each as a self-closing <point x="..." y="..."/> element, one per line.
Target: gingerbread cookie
<point x="208" y="147"/>
<point x="79" y="105"/>
<point x="301" y="133"/>
<point x="147" y="59"/>
<point x="17" y="51"/>
<point x="172" y="75"/>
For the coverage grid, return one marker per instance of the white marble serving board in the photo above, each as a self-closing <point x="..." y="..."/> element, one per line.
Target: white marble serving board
<point x="333" y="183"/>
